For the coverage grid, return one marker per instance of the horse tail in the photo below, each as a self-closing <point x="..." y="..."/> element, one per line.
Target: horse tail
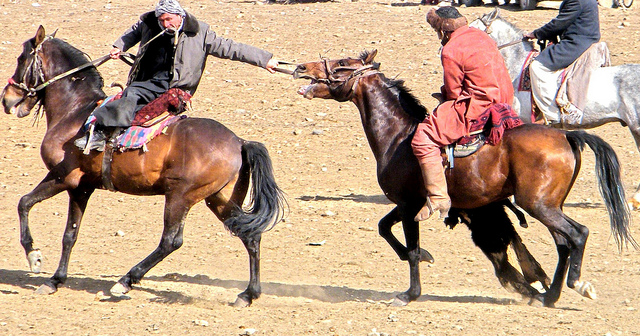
<point x="610" y="183"/>
<point x="267" y="203"/>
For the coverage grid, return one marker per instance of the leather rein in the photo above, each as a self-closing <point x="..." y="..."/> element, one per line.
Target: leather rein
<point x="358" y="72"/>
<point x="487" y="30"/>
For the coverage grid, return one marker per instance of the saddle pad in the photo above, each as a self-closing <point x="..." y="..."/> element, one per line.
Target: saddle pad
<point x="525" y="76"/>
<point x="137" y="136"/>
<point x="174" y="101"/>
<point x="92" y="119"/>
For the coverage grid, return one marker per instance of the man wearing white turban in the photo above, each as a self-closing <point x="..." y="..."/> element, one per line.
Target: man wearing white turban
<point x="174" y="46"/>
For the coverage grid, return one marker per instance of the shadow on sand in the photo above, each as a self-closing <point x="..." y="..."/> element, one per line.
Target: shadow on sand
<point x="333" y="294"/>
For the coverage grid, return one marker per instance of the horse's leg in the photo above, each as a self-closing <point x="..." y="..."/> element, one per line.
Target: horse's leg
<point x="634" y="202"/>
<point x="412" y="236"/>
<point x="531" y="269"/>
<point x="509" y="276"/>
<point x="78" y="199"/>
<point x="253" y="291"/>
<point x="176" y="208"/>
<point x="570" y="238"/>
<point x="493" y="232"/>
<point x="384" y="229"/>
<point x="47" y="188"/>
<point x="579" y="235"/>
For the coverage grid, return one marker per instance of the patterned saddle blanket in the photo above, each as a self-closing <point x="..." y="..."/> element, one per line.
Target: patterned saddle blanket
<point x="151" y="121"/>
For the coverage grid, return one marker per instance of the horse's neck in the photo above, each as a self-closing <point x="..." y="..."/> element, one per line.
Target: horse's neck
<point x="514" y="55"/>
<point x="386" y="125"/>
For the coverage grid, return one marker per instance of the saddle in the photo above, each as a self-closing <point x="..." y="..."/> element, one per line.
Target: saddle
<point x="488" y="128"/>
<point x="571" y="97"/>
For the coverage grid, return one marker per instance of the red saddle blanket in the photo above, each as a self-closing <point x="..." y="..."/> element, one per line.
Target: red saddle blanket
<point x="174" y="101"/>
<point x="494" y="121"/>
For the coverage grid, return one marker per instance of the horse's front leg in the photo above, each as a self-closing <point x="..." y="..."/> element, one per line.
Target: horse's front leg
<point x="47" y="188"/>
<point x="412" y="236"/>
<point x="78" y="199"/>
<point x="384" y="229"/>
<point x="253" y="290"/>
<point x="175" y="212"/>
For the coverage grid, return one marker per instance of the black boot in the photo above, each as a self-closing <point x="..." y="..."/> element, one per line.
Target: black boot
<point x="95" y="139"/>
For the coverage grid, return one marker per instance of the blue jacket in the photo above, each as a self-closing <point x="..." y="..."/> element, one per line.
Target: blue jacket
<point x="577" y="27"/>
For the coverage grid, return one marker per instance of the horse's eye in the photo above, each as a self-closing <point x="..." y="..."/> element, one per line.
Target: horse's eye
<point x="340" y="63"/>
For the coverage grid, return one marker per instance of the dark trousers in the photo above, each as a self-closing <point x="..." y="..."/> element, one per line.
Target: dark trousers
<point x="120" y="113"/>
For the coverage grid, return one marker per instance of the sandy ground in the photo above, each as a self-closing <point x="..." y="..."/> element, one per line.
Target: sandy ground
<point x="323" y="163"/>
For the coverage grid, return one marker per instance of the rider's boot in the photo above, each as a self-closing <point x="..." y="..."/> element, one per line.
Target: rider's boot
<point x="437" y="197"/>
<point x="95" y="139"/>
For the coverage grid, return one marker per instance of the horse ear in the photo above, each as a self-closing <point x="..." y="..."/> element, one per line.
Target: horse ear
<point x="40" y="35"/>
<point x="370" y="56"/>
<point x="495" y="13"/>
<point x="52" y="35"/>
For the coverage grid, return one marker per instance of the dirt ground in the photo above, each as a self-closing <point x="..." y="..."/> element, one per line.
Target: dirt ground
<point x="323" y="162"/>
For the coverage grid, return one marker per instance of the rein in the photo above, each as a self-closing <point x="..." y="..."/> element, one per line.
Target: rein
<point x="31" y="91"/>
<point x="487" y="30"/>
<point x="358" y="72"/>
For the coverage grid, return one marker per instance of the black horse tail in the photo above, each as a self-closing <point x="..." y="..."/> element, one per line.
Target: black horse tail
<point x="267" y="202"/>
<point x="610" y="183"/>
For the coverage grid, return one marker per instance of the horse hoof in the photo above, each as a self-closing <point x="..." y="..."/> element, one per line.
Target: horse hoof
<point x="585" y="289"/>
<point x="35" y="260"/>
<point x="426" y="256"/>
<point x="45" y="289"/>
<point x="119" y="290"/>
<point x="537" y="301"/>
<point x="397" y="302"/>
<point x="241" y="303"/>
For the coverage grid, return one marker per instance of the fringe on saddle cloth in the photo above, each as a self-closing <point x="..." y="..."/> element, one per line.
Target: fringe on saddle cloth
<point x="494" y="121"/>
<point x="138" y="136"/>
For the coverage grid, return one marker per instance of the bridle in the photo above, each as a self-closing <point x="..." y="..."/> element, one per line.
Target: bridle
<point x="34" y="70"/>
<point x="357" y="73"/>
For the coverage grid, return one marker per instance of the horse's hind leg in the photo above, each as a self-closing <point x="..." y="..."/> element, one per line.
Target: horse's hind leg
<point x="253" y="291"/>
<point x="492" y="232"/>
<point x="78" y="199"/>
<point x="531" y="269"/>
<point x="384" y="229"/>
<point x="570" y="238"/>
<point x="176" y="208"/>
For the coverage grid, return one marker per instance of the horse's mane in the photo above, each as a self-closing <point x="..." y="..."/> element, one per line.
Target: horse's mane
<point x="75" y="58"/>
<point x="410" y="104"/>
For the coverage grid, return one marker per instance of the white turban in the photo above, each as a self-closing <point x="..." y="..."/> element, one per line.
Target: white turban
<point x="169" y="6"/>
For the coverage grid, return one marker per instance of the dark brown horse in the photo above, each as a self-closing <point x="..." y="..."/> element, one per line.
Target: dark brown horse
<point x="535" y="164"/>
<point x="197" y="159"/>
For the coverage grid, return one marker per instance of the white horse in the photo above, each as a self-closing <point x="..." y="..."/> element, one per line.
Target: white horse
<point x="612" y="95"/>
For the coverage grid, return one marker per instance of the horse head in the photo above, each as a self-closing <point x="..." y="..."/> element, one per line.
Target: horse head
<point x="19" y="96"/>
<point x="43" y="61"/>
<point x="334" y="79"/>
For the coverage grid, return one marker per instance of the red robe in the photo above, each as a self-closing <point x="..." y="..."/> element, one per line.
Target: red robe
<point x="475" y="77"/>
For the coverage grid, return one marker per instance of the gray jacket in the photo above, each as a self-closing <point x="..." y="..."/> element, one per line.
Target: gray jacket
<point x="195" y="42"/>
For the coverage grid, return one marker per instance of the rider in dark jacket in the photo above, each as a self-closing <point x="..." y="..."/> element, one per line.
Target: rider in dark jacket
<point x="173" y="50"/>
<point x="572" y="32"/>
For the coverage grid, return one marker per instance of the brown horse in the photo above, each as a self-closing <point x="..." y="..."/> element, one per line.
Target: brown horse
<point x="197" y="159"/>
<point x="535" y="164"/>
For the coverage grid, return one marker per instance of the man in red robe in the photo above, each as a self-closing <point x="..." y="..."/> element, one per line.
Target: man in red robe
<point x="475" y="78"/>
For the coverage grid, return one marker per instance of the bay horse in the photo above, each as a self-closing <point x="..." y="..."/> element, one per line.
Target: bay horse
<point x="536" y="164"/>
<point x="611" y="95"/>
<point x="198" y="159"/>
